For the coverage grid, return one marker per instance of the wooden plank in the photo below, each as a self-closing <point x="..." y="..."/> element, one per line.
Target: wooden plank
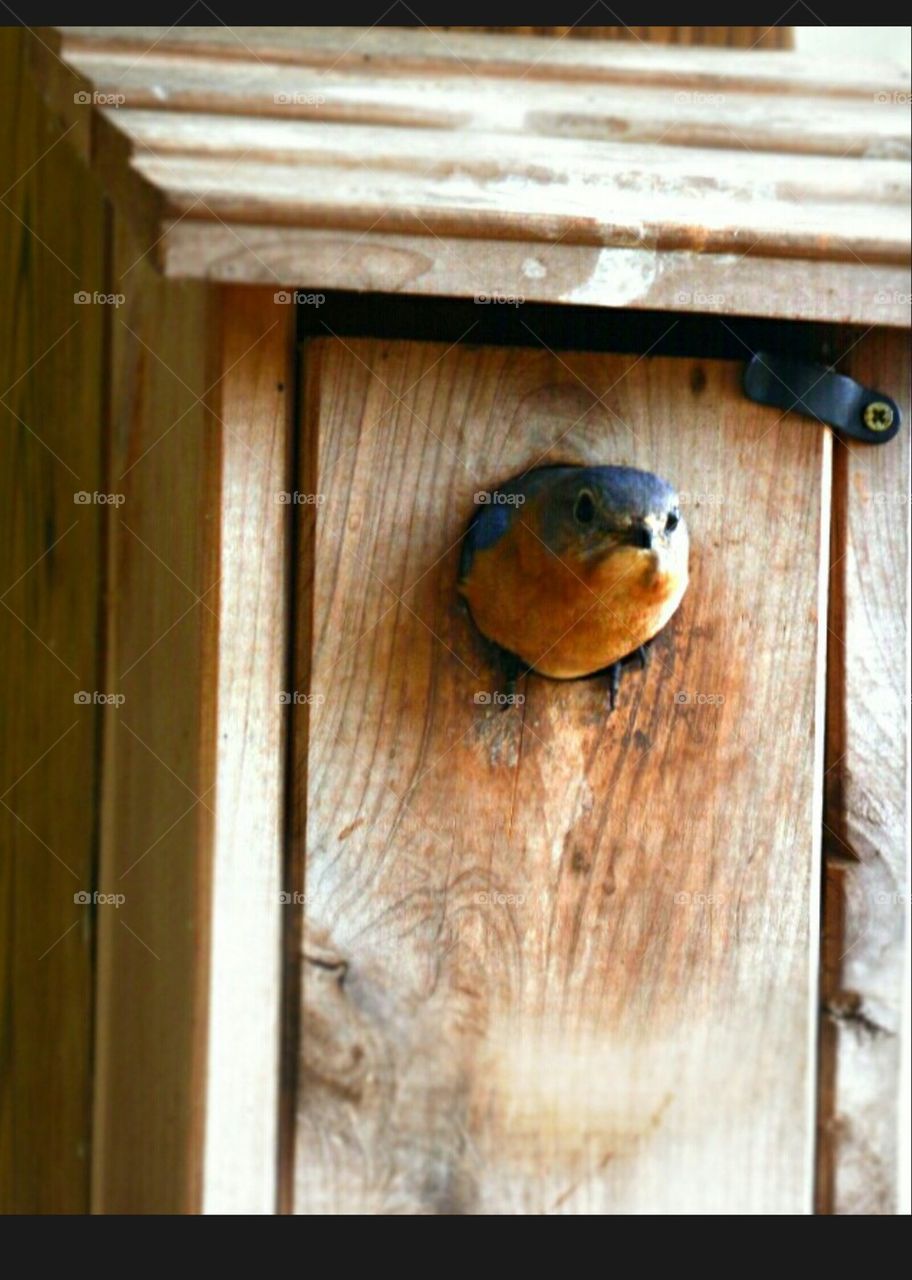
<point x="507" y="273"/>
<point x="597" y="213"/>
<point x="407" y="50"/>
<point x="187" y="1046"/>
<point x="660" y="173"/>
<point x="436" y="151"/>
<point x="866" y="816"/>
<point x="555" y="962"/>
<point x="242" y="1106"/>
<point x="729" y="37"/>
<point x="158" y="765"/>
<point x="740" y="122"/>
<point x="52" y="237"/>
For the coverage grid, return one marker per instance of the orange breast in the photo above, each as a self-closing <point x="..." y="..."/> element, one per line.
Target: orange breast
<point x="566" y="617"/>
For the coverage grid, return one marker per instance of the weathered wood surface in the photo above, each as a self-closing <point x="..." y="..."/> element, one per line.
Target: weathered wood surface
<point x="158" y="769"/>
<point x="407" y="49"/>
<point x="503" y="272"/>
<point x="521" y="144"/>
<point x="52" y="227"/>
<point x="554" y="962"/>
<point x="253" y="402"/>
<point x="866" y="807"/>
<point x="739" y="122"/>
<point x="187" y="1056"/>
<point x="727" y="37"/>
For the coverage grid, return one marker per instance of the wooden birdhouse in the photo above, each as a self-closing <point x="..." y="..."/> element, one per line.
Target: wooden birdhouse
<point x="315" y="924"/>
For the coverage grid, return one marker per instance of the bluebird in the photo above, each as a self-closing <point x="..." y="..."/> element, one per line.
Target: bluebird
<point x="571" y="571"/>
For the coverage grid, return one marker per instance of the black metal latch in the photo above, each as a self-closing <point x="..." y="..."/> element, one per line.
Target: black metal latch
<point x="818" y="392"/>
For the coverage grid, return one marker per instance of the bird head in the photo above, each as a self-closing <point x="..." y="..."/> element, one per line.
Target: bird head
<point x="589" y="513"/>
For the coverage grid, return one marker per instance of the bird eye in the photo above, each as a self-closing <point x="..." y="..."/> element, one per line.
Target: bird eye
<point x="584" y="511"/>
<point x="672" y="520"/>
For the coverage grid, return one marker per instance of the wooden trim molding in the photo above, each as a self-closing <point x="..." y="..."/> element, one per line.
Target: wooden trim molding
<point x="481" y="164"/>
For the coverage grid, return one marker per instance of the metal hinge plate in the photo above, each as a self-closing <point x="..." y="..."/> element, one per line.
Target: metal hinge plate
<point x="817" y="392"/>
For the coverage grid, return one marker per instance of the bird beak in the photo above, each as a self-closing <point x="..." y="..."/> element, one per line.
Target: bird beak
<point x="641" y="536"/>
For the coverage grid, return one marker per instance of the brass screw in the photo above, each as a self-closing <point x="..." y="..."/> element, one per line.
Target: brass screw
<point x="878" y="416"/>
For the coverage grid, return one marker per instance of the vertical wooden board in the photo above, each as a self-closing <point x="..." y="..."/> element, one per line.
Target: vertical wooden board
<point x="52" y="247"/>
<point x="554" y="962"/>
<point x="188" y="988"/>
<point x="242" y="1075"/>
<point x="866" y="805"/>
<point x="158" y="771"/>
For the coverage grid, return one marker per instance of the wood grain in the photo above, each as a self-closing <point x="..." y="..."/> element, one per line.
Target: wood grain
<point x="866" y="814"/>
<point x="633" y="163"/>
<point x="158" y="763"/>
<point x="739" y="122"/>
<point x="52" y="239"/>
<point x="245" y="983"/>
<point x="728" y="37"/>
<point x="555" y="962"/>
<point x="188" y="997"/>
<point x="503" y="272"/>
<point x="469" y="53"/>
